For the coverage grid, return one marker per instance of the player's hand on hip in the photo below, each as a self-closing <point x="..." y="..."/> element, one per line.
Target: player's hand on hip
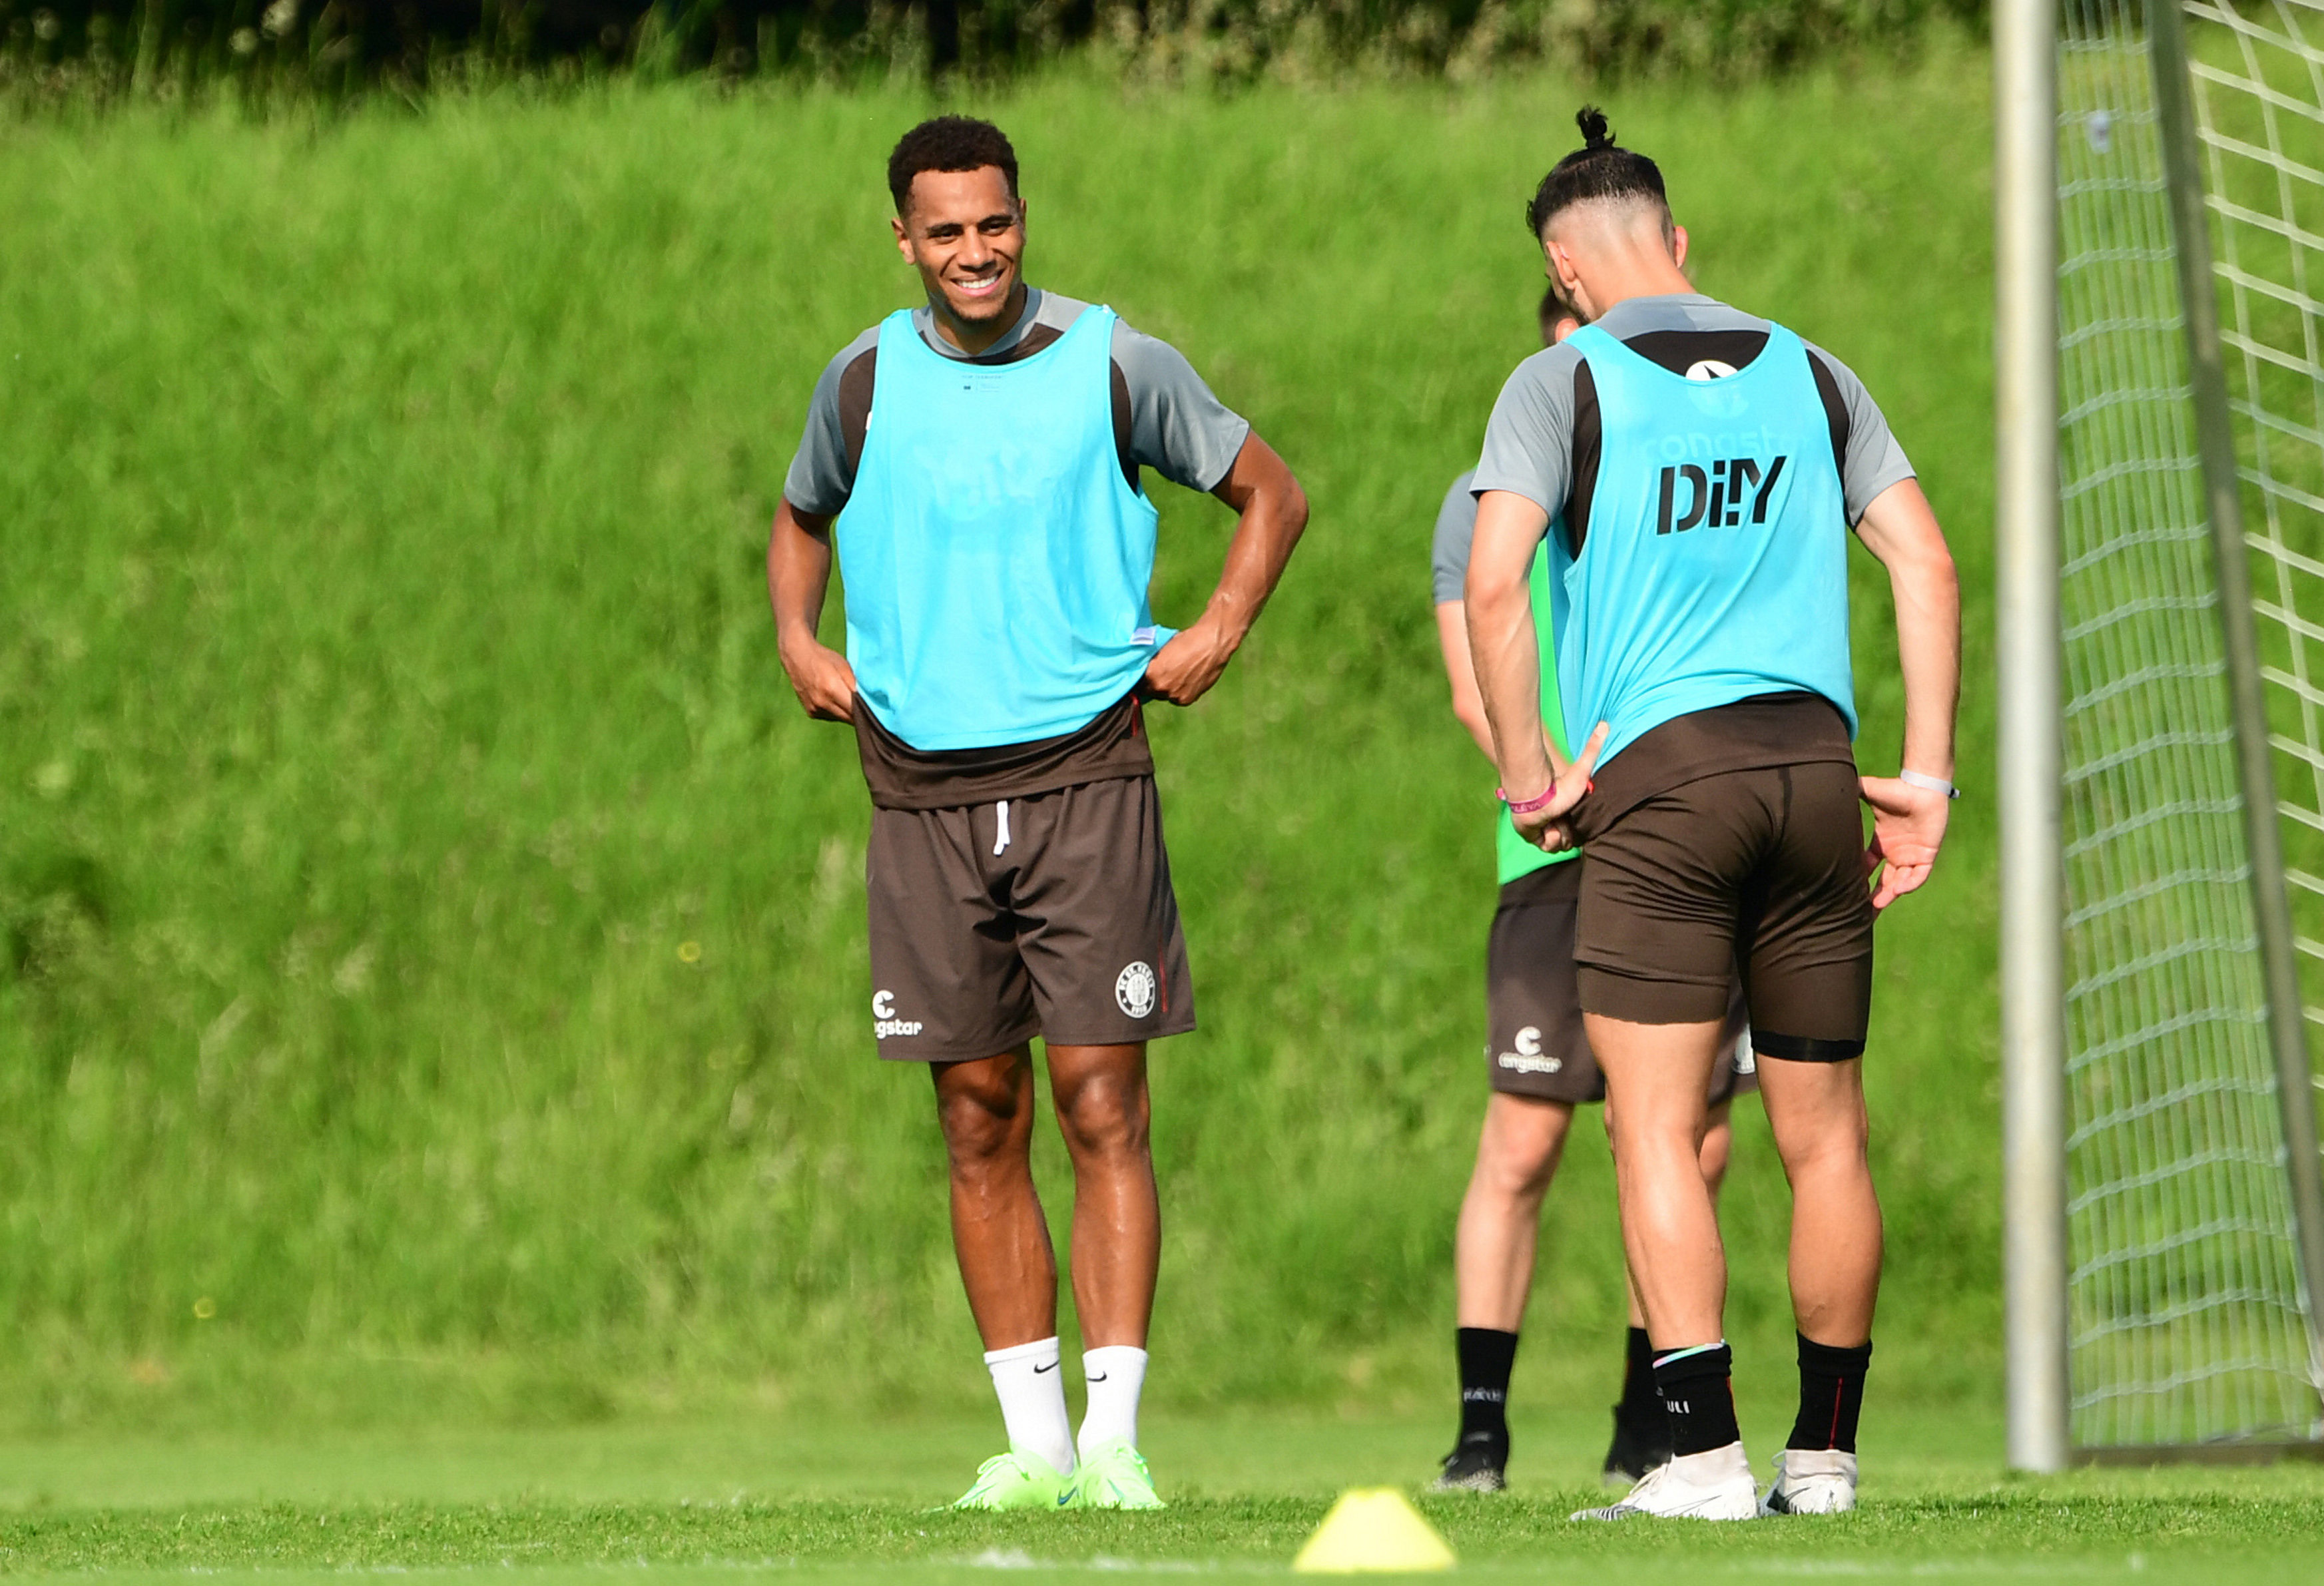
<point x="1908" y="827"/>
<point x="1183" y="671"/>
<point x="1546" y="827"/>
<point x="821" y="679"/>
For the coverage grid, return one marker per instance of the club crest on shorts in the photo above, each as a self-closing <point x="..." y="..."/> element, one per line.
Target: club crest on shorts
<point x="1134" y="988"/>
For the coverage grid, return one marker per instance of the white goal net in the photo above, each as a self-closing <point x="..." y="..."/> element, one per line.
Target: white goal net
<point x="2188" y="1319"/>
<point x="2259" y="102"/>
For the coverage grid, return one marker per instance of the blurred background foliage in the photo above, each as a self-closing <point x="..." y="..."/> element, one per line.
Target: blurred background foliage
<point x="339" y="46"/>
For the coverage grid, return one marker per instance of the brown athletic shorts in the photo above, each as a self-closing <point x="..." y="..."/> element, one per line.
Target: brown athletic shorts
<point x="1050" y="915"/>
<point x="1533" y="1007"/>
<point x="1759" y="870"/>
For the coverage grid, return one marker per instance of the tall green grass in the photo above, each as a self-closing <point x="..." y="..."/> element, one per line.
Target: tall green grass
<point x="433" y="966"/>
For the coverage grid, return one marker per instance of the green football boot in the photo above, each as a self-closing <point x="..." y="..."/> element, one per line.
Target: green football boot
<point x="1016" y="1481"/>
<point x="1112" y="1476"/>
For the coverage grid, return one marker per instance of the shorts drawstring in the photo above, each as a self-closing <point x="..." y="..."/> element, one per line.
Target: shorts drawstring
<point x="1001" y="831"/>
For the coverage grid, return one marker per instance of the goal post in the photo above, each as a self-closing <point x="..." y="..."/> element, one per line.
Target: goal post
<point x="2164" y="1222"/>
<point x="2027" y="653"/>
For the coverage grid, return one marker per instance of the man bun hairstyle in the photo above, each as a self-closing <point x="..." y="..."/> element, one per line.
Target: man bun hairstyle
<point x="949" y="143"/>
<point x="1597" y="170"/>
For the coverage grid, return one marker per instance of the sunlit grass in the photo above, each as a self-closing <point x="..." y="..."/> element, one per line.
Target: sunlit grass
<point x="682" y="1501"/>
<point x="434" y="969"/>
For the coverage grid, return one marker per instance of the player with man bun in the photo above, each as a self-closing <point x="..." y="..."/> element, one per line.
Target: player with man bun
<point x="1695" y="471"/>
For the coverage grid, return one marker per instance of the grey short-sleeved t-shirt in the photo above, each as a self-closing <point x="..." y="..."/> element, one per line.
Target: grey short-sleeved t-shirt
<point x="1542" y="441"/>
<point x="1165" y="418"/>
<point x="1448" y="552"/>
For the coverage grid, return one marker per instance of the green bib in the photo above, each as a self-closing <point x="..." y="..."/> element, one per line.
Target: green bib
<point x="1516" y="857"/>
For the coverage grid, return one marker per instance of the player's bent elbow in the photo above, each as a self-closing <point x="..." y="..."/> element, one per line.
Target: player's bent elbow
<point x="1291" y="509"/>
<point x="1931" y="576"/>
<point x="1490" y="597"/>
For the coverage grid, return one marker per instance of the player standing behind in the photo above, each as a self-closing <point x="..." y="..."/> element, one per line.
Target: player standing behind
<point x="981" y="456"/>
<point x="1540" y="1067"/>
<point x="1693" y="468"/>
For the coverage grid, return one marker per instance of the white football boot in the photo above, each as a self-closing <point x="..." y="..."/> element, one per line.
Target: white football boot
<point x="1812" y="1482"/>
<point x="1716" y="1485"/>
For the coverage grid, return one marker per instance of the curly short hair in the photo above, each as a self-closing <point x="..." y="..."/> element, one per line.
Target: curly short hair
<point x="1597" y="170"/>
<point x="949" y="143"/>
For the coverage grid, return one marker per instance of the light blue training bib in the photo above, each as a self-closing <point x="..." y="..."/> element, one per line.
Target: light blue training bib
<point x="1714" y="566"/>
<point x="994" y="558"/>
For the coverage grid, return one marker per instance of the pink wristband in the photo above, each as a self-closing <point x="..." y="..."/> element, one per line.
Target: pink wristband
<point x="1527" y="806"/>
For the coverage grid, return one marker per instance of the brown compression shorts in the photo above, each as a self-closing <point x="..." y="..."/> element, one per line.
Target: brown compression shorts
<point x="1759" y="870"/>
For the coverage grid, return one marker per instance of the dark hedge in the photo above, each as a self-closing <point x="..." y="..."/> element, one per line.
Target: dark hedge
<point x="336" y="46"/>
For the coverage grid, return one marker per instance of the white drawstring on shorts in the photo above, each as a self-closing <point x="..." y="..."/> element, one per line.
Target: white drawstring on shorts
<point x="1001" y="832"/>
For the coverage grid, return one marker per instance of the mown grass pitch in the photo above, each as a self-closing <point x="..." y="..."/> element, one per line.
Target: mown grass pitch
<point x="711" y="1501"/>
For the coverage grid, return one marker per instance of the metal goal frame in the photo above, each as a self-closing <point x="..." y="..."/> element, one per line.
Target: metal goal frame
<point x="2030" y="768"/>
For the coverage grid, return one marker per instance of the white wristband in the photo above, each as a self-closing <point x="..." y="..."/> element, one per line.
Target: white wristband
<point x="1933" y="784"/>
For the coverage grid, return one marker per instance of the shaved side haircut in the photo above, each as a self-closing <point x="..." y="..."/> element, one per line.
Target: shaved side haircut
<point x="1596" y="172"/>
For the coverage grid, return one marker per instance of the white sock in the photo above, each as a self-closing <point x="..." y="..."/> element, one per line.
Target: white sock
<point x="1115" y="1374"/>
<point x="1714" y="1465"/>
<point x="1032" y="1389"/>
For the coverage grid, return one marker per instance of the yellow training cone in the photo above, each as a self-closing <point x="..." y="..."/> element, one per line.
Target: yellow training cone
<point x="1373" y="1530"/>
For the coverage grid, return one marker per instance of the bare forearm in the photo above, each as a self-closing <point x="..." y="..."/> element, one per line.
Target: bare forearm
<point x="798" y="573"/>
<point x="1507" y="661"/>
<point x="1480" y="730"/>
<point x="1270" y="511"/>
<point x="1928" y="650"/>
<point x="1502" y="649"/>
<point x="1468" y="706"/>
<point x="1272" y="514"/>
<point x="1901" y="529"/>
<point x="1261" y="548"/>
<point x="1909" y="819"/>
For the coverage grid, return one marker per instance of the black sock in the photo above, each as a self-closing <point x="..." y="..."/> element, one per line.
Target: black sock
<point x="1831" y="1396"/>
<point x="1698" y="1395"/>
<point x="1641" y="1408"/>
<point x="1486" y="1355"/>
